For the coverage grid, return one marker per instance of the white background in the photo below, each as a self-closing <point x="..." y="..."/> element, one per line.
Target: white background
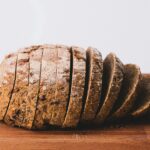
<point x="120" y="26"/>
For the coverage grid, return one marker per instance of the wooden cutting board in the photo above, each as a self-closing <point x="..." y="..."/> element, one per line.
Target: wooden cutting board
<point x="128" y="137"/>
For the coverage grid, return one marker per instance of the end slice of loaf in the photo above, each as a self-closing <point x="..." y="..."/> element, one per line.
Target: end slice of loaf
<point x="7" y="82"/>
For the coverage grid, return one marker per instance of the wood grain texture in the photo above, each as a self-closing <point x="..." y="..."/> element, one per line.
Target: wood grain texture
<point x="130" y="137"/>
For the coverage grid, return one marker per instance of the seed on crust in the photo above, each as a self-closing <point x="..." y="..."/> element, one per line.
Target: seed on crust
<point x="62" y="85"/>
<point x="112" y="81"/>
<point x="128" y="91"/>
<point x="33" y="89"/>
<point x="15" y="111"/>
<point x="142" y="104"/>
<point x="77" y="87"/>
<point x="7" y="82"/>
<point x="93" y="86"/>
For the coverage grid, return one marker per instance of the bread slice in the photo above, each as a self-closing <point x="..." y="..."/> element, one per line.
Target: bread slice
<point x="93" y="86"/>
<point x="128" y="92"/>
<point x="15" y="112"/>
<point x="142" y="105"/>
<point x="62" y="85"/>
<point x="47" y="87"/>
<point x="112" y="81"/>
<point x="7" y="82"/>
<point x="77" y="87"/>
<point x="36" y="53"/>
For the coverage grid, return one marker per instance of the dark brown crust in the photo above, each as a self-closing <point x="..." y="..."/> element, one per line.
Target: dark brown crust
<point x="113" y="76"/>
<point x="94" y="70"/>
<point x="7" y="82"/>
<point x="15" y="112"/>
<point x="33" y="90"/>
<point x="47" y="88"/>
<point x="62" y="85"/>
<point x="77" y="90"/>
<point x="128" y="92"/>
<point x="142" y="104"/>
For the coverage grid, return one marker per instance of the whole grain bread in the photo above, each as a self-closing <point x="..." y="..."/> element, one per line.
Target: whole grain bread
<point x="128" y="92"/>
<point x="77" y="87"/>
<point x="7" y="82"/>
<point x="93" y="86"/>
<point x="15" y="111"/>
<point x="112" y="81"/>
<point x="55" y="85"/>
